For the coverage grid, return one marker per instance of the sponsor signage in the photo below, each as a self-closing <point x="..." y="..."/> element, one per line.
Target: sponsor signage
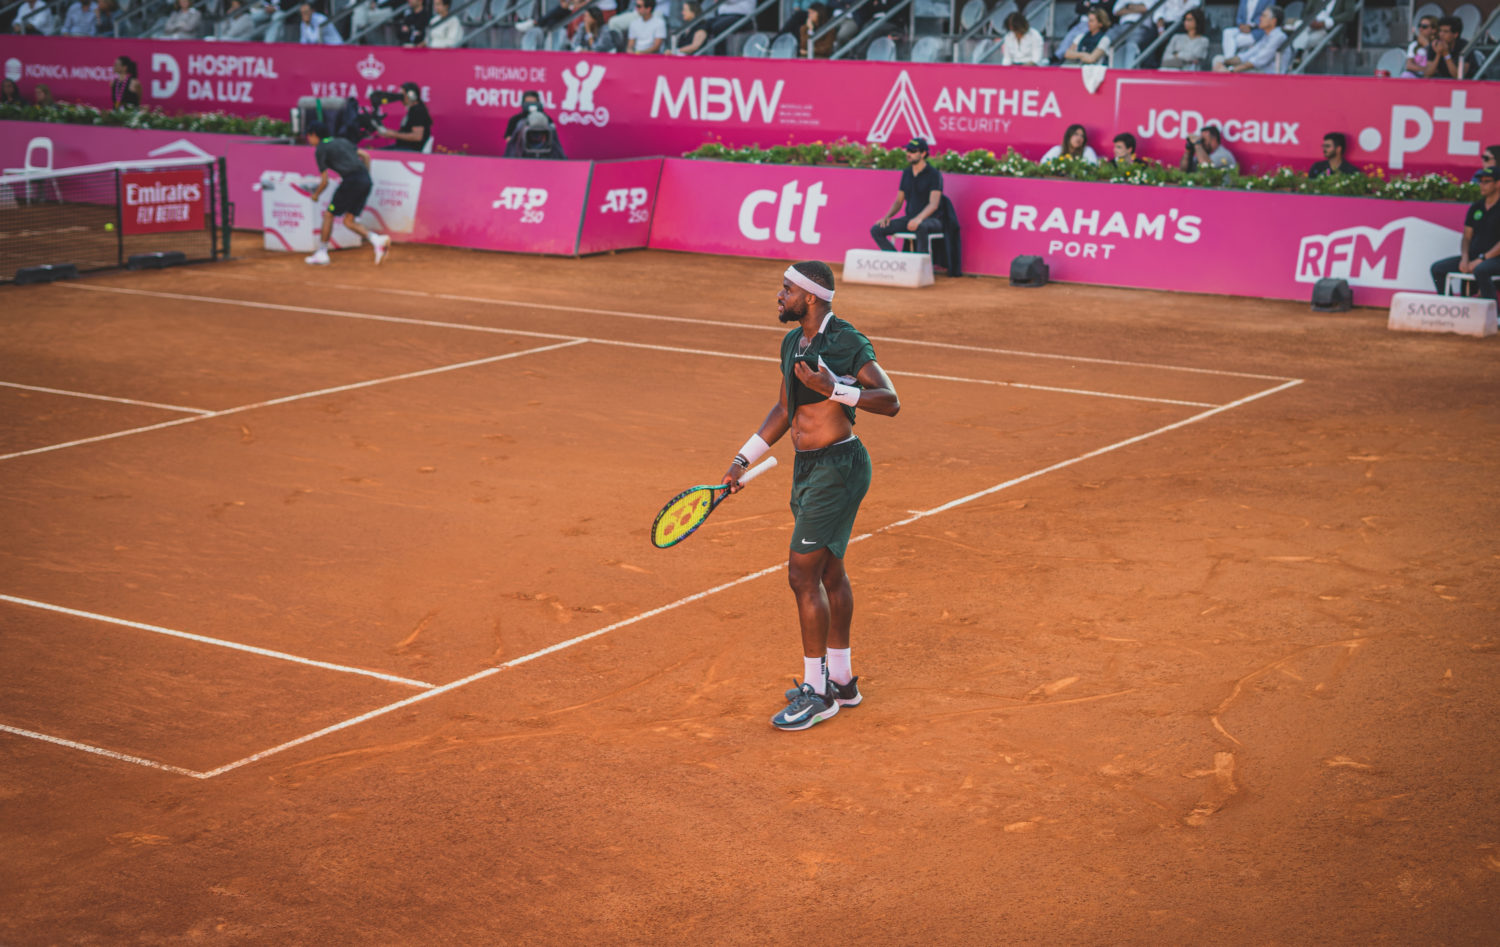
<point x="628" y="106"/>
<point x="886" y="268"/>
<point x="162" y="201"/>
<point x="1424" y="312"/>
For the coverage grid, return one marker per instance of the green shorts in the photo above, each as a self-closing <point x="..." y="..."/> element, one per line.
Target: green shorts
<point x="827" y="485"/>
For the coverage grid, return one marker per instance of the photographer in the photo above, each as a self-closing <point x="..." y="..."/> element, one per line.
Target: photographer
<point x="1206" y="150"/>
<point x="531" y="101"/>
<point x="416" y="127"/>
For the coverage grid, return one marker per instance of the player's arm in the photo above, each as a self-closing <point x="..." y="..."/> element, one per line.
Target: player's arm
<point x="365" y="157"/>
<point x="877" y="394"/>
<point x="770" y="431"/>
<point x="323" y="184"/>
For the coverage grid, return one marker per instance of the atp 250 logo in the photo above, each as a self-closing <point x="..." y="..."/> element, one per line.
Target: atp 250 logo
<point x="527" y="200"/>
<point x="627" y="200"/>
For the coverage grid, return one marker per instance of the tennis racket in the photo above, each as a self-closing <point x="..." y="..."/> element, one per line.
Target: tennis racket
<point x="688" y="509"/>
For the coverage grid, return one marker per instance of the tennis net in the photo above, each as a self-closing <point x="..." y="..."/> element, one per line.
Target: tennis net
<point x="99" y="216"/>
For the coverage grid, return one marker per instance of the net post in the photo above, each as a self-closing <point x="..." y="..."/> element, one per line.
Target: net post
<point x="119" y="218"/>
<point x="224" y="222"/>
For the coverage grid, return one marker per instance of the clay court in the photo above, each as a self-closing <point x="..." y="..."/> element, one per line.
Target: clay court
<point x="329" y="616"/>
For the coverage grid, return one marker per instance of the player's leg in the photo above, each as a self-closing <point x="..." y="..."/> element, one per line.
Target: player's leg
<point x="842" y="682"/>
<point x="319" y="255"/>
<point x="810" y="702"/>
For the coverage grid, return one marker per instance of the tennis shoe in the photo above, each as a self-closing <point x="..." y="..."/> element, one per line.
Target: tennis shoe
<point x="382" y="246"/>
<point x="808" y="707"/>
<point x="319" y="258"/>
<point x="847" y="695"/>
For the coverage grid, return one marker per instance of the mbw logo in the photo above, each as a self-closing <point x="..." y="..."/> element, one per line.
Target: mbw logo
<point x="901" y="105"/>
<point x="578" y="102"/>
<point x="713" y="99"/>
<point x="1396" y="256"/>
<point x="527" y="200"/>
<point x="631" y="200"/>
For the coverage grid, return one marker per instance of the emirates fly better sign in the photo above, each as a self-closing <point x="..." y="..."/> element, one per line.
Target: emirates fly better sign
<point x="162" y="201"/>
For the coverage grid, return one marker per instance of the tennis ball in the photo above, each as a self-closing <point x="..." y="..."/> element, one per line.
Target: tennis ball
<point x="109" y="226"/>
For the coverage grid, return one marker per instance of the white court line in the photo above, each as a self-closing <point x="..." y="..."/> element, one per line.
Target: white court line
<point x="87" y="748"/>
<point x="657" y="317"/>
<point x="299" y="397"/>
<point x="85" y="394"/>
<point x="469" y="327"/>
<point x="219" y="642"/>
<point x="952" y="504"/>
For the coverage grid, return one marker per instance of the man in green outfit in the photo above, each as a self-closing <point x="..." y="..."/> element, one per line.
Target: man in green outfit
<point x="827" y="370"/>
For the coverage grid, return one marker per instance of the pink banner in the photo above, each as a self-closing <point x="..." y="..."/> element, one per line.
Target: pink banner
<point x="629" y="106"/>
<point x="1225" y="242"/>
<point x="621" y="196"/>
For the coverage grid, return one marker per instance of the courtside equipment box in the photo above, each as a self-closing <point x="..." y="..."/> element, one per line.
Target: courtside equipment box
<point x="888" y="268"/>
<point x="1427" y="312"/>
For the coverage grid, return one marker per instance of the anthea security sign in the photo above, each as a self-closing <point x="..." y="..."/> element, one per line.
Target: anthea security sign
<point x="162" y="201"/>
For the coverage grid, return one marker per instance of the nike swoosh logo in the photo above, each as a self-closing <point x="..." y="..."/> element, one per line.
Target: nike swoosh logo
<point x="793" y="718"/>
<point x="808" y="542"/>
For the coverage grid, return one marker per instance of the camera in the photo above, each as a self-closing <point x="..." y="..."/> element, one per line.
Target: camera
<point x="381" y="97"/>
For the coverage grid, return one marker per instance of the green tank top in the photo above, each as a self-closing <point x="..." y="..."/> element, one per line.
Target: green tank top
<point x="840" y="346"/>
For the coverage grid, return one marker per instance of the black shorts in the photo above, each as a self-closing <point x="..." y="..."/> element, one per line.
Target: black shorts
<point x="351" y="196"/>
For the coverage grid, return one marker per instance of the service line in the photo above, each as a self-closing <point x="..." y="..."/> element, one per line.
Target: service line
<point x="94" y="397"/>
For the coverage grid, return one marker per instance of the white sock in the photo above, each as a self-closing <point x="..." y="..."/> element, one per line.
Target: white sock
<point x="322" y="245"/>
<point x="813" y="673"/>
<point x="839" y="668"/>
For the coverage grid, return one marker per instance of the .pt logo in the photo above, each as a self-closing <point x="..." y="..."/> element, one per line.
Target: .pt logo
<point x="578" y="102"/>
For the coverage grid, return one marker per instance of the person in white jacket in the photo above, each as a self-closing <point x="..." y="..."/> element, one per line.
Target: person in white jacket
<point x="1022" y="45"/>
<point x="34" y="17"/>
<point x="445" y="32"/>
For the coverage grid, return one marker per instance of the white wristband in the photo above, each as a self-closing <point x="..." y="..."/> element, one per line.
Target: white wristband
<point x="845" y="394"/>
<point x="754" y="450"/>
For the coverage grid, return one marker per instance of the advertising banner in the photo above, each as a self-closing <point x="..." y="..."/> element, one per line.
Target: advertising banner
<point x="1193" y="240"/>
<point x="618" y="214"/>
<point x="634" y="106"/>
<point x="162" y="201"/>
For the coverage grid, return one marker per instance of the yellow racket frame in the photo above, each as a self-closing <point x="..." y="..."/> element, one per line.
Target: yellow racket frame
<point x="685" y="512"/>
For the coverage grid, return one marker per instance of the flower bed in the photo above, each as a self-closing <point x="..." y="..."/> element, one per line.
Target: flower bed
<point x="216" y="122"/>
<point x="1373" y="183"/>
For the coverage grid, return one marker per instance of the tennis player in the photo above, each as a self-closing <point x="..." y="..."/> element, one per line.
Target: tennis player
<point x="353" y="167"/>
<point x="827" y="370"/>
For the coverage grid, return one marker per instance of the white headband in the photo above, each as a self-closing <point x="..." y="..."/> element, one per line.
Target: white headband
<point x="796" y="277"/>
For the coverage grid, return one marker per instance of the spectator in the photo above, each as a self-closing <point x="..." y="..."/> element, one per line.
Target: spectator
<point x="10" y="93"/>
<point x="367" y="15"/>
<point x="1092" y="46"/>
<point x="316" y="29"/>
<point x="1488" y="159"/>
<point x="416" y="125"/>
<point x="411" y="25"/>
<point x="1448" y="59"/>
<point x="1265" y="54"/>
<point x="694" y="33"/>
<point x="1172" y="11"/>
<point x="1022" y="45"/>
<point x="817" y="17"/>
<point x="1333" y="161"/>
<point x="125" y="87"/>
<point x="1479" y="250"/>
<point x="238" y="26"/>
<point x="1079" y="27"/>
<point x="446" y="32"/>
<point x="104" y="17"/>
<point x="1335" y="15"/>
<point x="594" y="36"/>
<point x="1124" y="151"/>
<point x="921" y="190"/>
<point x="558" y="14"/>
<point x="1420" y="48"/>
<point x="34" y="18"/>
<point x="648" y="32"/>
<point x="81" y="20"/>
<point x="1188" y="49"/>
<point x="42" y="96"/>
<point x="1075" y="144"/>
<point x="1134" y="27"/>
<point x="531" y="101"/>
<point x="729" y="12"/>
<point x="184" y="23"/>
<point x="1206" y="149"/>
<point x="1246" y="31"/>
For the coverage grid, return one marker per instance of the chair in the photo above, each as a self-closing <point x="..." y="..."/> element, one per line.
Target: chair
<point x="983" y="50"/>
<point x="901" y="238"/>
<point x="783" y="47"/>
<point x="32" y="146"/>
<point x="1450" y="285"/>
<point x="756" y="45"/>
<point x="427" y="148"/>
<point x="927" y="49"/>
<point x="1293" y="11"/>
<point x="882" y="50"/>
<point x="1393" y="61"/>
<point x="1426" y="9"/>
<point x="1471" y="18"/>
<point x="999" y="15"/>
<point x="971" y="14"/>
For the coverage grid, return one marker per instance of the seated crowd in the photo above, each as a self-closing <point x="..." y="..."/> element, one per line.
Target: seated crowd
<point x="1171" y="34"/>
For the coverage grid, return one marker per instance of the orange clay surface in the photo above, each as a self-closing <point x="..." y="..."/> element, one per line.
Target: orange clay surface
<point x="1234" y="681"/>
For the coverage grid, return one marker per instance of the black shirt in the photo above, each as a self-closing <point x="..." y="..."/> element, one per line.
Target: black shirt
<point x="340" y="155"/>
<point x="1471" y="65"/>
<point x="417" y="116"/>
<point x="411" y="26"/>
<point x="918" y="188"/>
<point x="1486" y="224"/>
<point x="1323" y="167"/>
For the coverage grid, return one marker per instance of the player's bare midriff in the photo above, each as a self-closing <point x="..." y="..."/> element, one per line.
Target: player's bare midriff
<point x="819" y="424"/>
